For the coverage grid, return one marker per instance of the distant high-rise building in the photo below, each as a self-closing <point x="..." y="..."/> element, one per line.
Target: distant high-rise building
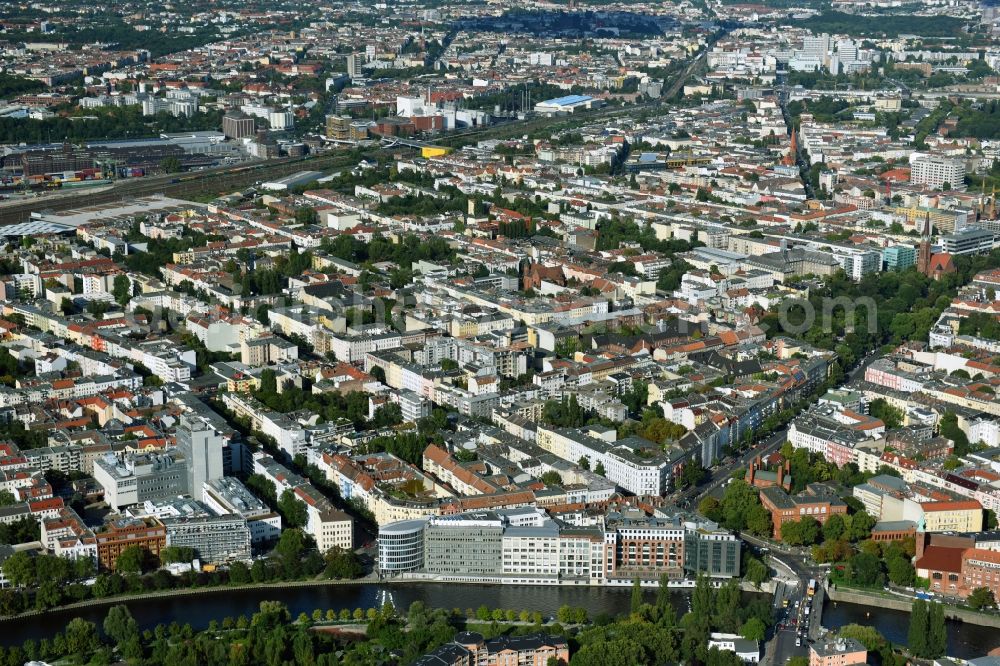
<point x="338" y="127"/>
<point x="899" y="257"/>
<point x="201" y="446"/>
<point x="352" y="65"/>
<point x="847" y="50"/>
<point x="816" y="47"/>
<point x="936" y="171"/>
<point x="236" y="124"/>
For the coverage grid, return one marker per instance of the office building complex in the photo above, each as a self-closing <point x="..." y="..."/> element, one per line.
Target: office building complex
<point x="229" y="496"/>
<point x="527" y="546"/>
<point x="213" y="538"/>
<point x="968" y="241"/>
<point x="139" y="477"/>
<point x="631" y="463"/>
<point x="899" y="257"/>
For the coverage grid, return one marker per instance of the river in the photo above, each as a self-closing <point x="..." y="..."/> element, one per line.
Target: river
<point x="964" y="640"/>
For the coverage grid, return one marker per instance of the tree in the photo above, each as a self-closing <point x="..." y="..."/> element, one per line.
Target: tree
<point x="341" y="563"/>
<point x="291" y="546"/>
<point x="122" y="289"/>
<point x="741" y="509"/>
<point x="701" y="598"/>
<point x="949" y="428"/>
<point x="756" y="572"/>
<point x="566" y="347"/>
<point x="865" y="569"/>
<point x="866" y="635"/>
<point x="239" y="574"/>
<point x="727" y="616"/>
<point x="19" y="569"/>
<point x="133" y="559"/>
<point x="937" y="633"/>
<point x="293" y="511"/>
<point x="711" y="508"/>
<point x="583" y="462"/>
<point x="599" y="469"/>
<point x="171" y="165"/>
<point x="48" y="594"/>
<point x="803" y="532"/>
<point x="551" y="478"/>
<point x="981" y="597"/>
<point x="268" y="382"/>
<point x="891" y="416"/>
<point x="81" y="637"/>
<point x="693" y="474"/>
<point x="753" y="629"/>
<point x="917" y="636"/>
<point x="860" y="526"/>
<point x="119" y="625"/>
<point x="834" y="527"/>
<point x="901" y="571"/>
<point x="177" y="554"/>
<point x="663" y="593"/>
<point x="306" y="215"/>
<point x="636" y="602"/>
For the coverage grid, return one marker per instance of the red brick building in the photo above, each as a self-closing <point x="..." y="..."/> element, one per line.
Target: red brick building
<point x="758" y="477"/>
<point x="954" y="566"/>
<point x="816" y="501"/>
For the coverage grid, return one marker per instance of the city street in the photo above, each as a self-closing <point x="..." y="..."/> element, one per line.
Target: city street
<point x="793" y="618"/>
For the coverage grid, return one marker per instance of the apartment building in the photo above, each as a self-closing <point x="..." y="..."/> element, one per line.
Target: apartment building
<point x="68" y="536"/>
<point x="948" y="516"/>
<point x="290" y="437"/>
<point x="371" y="479"/>
<point x="119" y="534"/>
<point x="633" y="464"/>
<point x="327" y="525"/>
<point x="471" y="649"/>
<point x="838" y="652"/>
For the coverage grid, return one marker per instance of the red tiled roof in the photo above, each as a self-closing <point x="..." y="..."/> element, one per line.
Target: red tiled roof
<point x="961" y="505"/>
<point x="940" y="558"/>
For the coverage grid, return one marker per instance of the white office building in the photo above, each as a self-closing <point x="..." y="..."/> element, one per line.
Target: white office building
<point x="936" y="171"/>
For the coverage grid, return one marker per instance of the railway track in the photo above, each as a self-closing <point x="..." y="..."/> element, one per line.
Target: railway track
<point x="215" y="180"/>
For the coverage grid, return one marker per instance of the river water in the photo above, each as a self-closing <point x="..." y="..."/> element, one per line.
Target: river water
<point x="964" y="640"/>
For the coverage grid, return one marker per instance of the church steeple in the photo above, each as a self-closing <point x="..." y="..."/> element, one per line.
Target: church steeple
<point x="924" y="248"/>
